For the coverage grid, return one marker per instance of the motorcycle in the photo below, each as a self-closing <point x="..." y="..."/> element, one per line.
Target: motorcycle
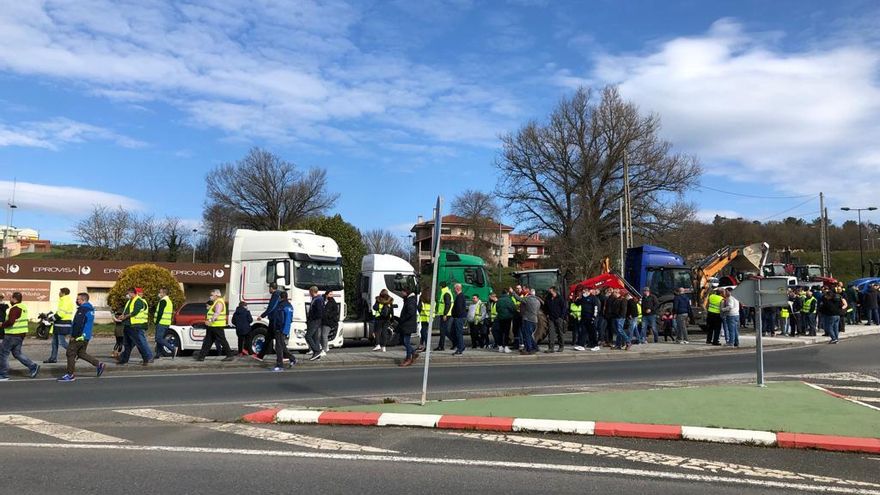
<point x="44" y="324"/>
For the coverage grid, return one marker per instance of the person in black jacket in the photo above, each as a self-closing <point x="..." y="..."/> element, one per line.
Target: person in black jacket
<point x="554" y="305"/>
<point x="590" y="307"/>
<point x="408" y="324"/>
<point x="650" y="307"/>
<point x="242" y="320"/>
<point x="313" y="323"/>
<point x="330" y="321"/>
<point x="459" y="317"/>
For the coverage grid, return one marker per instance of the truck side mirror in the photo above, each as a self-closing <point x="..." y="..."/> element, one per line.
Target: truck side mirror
<point x="278" y="272"/>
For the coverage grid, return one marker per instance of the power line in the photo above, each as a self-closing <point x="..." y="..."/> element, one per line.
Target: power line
<point x="753" y="195"/>
<point x="788" y="210"/>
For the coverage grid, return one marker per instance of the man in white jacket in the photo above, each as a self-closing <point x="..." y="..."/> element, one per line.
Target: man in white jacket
<point x="730" y="313"/>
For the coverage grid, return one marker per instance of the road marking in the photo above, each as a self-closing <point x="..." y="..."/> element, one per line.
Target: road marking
<point x="857" y="389"/>
<point x="843" y="377"/>
<point x="61" y="432"/>
<point x="839" y="396"/>
<point x="714" y="467"/>
<point x="865" y="399"/>
<point x="253" y="431"/>
<point x="516" y="466"/>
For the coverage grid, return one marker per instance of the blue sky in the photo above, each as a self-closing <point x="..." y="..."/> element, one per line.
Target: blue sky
<point x="131" y="103"/>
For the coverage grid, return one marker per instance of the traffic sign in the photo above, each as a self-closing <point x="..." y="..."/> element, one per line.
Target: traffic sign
<point x="774" y="292"/>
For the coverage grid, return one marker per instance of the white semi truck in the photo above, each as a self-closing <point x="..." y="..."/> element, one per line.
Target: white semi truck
<point x="297" y="260"/>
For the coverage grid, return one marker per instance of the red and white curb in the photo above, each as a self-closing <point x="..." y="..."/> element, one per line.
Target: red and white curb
<point x="597" y="428"/>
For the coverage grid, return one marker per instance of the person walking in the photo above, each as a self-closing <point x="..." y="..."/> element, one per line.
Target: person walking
<point x="459" y="317"/>
<point x="424" y="320"/>
<point x="80" y="335"/>
<point x="4" y="308"/>
<point x="808" y="314"/>
<point x="15" y="328"/>
<point x="530" y="305"/>
<point x="492" y="321"/>
<point x="618" y="311"/>
<point x="650" y="306"/>
<point x="383" y="313"/>
<point x="476" y="323"/>
<point x="830" y="308"/>
<point x="61" y="327"/>
<point x="282" y="319"/>
<point x="314" y="319"/>
<point x="506" y="313"/>
<point x="329" y="322"/>
<point x="444" y="317"/>
<point x="713" y="318"/>
<point x="872" y="305"/>
<point x="162" y="318"/>
<point x="215" y="321"/>
<point x="730" y="313"/>
<point x="242" y="321"/>
<point x="852" y="301"/>
<point x="604" y="325"/>
<point x="633" y="320"/>
<point x="681" y="307"/>
<point x="407" y="325"/>
<point x="267" y="315"/>
<point x="554" y="306"/>
<point x="588" y="309"/>
<point x="134" y="319"/>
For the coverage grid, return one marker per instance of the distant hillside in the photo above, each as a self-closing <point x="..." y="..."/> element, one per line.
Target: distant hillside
<point x="845" y="265"/>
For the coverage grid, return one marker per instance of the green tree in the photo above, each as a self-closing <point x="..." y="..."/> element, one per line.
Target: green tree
<point x="351" y="244"/>
<point x="150" y="278"/>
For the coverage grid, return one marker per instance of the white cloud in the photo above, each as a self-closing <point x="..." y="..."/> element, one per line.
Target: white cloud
<point x="285" y="70"/>
<point x="799" y="122"/>
<point x="30" y="197"/>
<point x="54" y="133"/>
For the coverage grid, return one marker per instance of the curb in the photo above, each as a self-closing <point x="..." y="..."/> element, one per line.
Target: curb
<point x="597" y="428"/>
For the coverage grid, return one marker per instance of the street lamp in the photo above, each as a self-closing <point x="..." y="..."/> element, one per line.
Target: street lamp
<point x="194" y="231"/>
<point x="861" y="248"/>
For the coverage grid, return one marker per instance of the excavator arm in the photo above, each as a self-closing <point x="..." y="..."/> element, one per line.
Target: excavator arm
<point x="741" y="258"/>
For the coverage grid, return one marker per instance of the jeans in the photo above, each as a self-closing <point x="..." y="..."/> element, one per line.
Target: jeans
<point x="527" y="336"/>
<point x="635" y="331"/>
<point x="161" y="344"/>
<point x="503" y="337"/>
<point x="57" y="339"/>
<point x="650" y="321"/>
<point x="809" y="327"/>
<point x="325" y="338"/>
<point x="588" y="336"/>
<point x="732" y="335"/>
<point x="281" y="351"/>
<point x="12" y="344"/>
<point x="445" y="332"/>
<point x="555" y="332"/>
<point x="622" y="339"/>
<point x="313" y="335"/>
<point x="831" y="324"/>
<point x="575" y="326"/>
<point x="458" y="333"/>
<point x="407" y="345"/>
<point x="874" y="316"/>
<point x="681" y="327"/>
<point x="602" y="328"/>
<point x="134" y="337"/>
<point x="380" y="327"/>
<point x="423" y="334"/>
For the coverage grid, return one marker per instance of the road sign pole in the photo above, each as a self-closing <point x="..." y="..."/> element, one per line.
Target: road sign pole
<point x="759" y="344"/>
<point x="435" y="258"/>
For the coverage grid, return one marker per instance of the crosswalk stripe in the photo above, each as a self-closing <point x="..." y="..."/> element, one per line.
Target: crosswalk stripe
<point x="62" y="432"/>
<point x="865" y="399"/>
<point x="253" y="431"/>
<point x="857" y="389"/>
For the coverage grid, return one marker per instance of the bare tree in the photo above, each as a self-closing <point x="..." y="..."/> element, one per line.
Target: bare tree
<point x="379" y="241"/>
<point x="173" y="237"/>
<point x="218" y="231"/>
<point x="482" y="217"/>
<point x="109" y="233"/>
<point x="264" y="192"/>
<point x="565" y="177"/>
<point x="152" y="236"/>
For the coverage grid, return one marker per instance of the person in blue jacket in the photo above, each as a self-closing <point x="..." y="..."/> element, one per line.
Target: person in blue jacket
<point x="282" y="320"/>
<point x="271" y="307"/>
<point x="80" y="335"/>
<point x="242" y="321"/>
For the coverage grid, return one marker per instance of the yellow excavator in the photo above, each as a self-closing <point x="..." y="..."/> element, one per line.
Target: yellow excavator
<point x="737" y="260"/>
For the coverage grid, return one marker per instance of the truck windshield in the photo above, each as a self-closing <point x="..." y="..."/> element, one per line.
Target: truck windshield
<point x="325" y="276"/>
<point x="396" y="283"/>
<point x="475" y="276"/>
<point x="666" y="280"/>
<point x="540" y="281"/>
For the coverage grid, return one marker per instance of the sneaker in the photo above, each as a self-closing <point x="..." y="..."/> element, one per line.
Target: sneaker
<point x="379" y="348"/>
<point x="50" y="361"/>
<point x="507" y="350"/>
<point x="323" y="353"/>
<point x="579" y="348"/>
<point x="67" y="378"/>
<point x="316" y="356"/>
<point x="596" y="349"/>
<point x="833" y="341"/>
<point x="457" y="353"/>
<point x="628" y="346"/>
<point x="685" y="342"/>
<point x="277" y="368"/>
<point x="100" y="369"/>
<point x="34" y="371"/>
<point x="383" y="349"/>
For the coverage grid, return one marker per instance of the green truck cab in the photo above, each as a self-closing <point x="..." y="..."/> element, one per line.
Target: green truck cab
<point x="464" y="269"/>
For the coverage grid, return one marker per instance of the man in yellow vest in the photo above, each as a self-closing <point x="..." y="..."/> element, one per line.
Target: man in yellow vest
<point x="134" y="318"/>
<point x="424" y="321"/>
<point x="444" y="313"/>
<point x="215" y="323"/>
<point x="15" y="328"/>
<point x="162" y="318"/>
<point x="61" y="328"/>
<point x="713" y="318"/>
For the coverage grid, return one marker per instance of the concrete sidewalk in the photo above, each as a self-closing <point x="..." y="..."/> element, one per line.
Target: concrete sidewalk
<point x="360" y="354"/>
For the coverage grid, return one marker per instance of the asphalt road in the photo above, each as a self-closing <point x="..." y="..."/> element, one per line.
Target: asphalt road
<point x="176" y="432"/>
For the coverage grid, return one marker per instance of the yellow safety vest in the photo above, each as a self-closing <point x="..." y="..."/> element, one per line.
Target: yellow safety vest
<point x="639" y="307"/>
<point x="808" y="304"/>
<point x="221" y="320"/>
<point x="66" y="308"/>
<point x="441" y="305"/>
<point x="378" y="312"/>
<point x="20" y="326"/>
<point x="784" y="313"/>
<point x="575" y="310"/>
<point x="714" y="304"/>
<point x="164" y="318"/>
<point x="478" y="313"/>
<point x="140" y="318"/>
<point x="424" y="312"/>
<point x="493" y="310"/>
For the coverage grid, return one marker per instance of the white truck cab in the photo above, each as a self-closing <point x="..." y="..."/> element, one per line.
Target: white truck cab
<point x="295" y="260"/>
<point x="378" y="272"/>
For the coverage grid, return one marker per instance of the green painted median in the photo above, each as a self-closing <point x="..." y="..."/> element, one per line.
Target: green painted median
<point x="786" y="406"/>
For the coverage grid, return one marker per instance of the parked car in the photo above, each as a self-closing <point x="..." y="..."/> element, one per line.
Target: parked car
<point x="191" y="314"/>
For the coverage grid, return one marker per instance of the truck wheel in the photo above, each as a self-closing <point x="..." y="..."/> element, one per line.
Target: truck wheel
<point x="259" y="340"/>
<point x="542" y="328"/>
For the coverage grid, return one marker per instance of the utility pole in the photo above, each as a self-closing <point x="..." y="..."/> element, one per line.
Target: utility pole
<point x="10" y="215"/>
<point x="627" y="203"/>
<point x="622" y="240"/>
<point x="861" y="236"/>
<point x="827" y="246"/>
<point x="823" y="233"/>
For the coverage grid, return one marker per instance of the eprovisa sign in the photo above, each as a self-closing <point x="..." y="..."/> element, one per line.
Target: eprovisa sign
<point x="25" y="269"/>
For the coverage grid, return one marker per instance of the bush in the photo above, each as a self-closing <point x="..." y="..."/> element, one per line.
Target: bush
<point x="149" y="277"/>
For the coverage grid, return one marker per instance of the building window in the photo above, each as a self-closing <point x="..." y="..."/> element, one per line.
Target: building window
<point x="511" y="250"/>
<point x="445" y="231"/>
<point x="532" y="250"/>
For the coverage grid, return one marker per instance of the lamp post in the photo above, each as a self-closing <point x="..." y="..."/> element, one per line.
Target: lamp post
<point x="194" y="232"/>
<point x="861" y="248"/>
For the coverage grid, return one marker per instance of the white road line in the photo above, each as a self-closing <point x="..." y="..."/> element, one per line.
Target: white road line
<point x="61" y="432"/>
<point x="466" y="463"/>
<point x="839" y="396"/>
<point x="857" y="389"/>
<point x="713" y="467"/>
<point x="842" y="377"/>
<point x="865" y="399"/>
<point x="253" y="431"/>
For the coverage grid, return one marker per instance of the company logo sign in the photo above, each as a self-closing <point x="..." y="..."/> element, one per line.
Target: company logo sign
<point x="187" y="273"/>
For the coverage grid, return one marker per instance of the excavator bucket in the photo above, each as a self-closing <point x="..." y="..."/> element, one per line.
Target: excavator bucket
<point x="751" y="258"/>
